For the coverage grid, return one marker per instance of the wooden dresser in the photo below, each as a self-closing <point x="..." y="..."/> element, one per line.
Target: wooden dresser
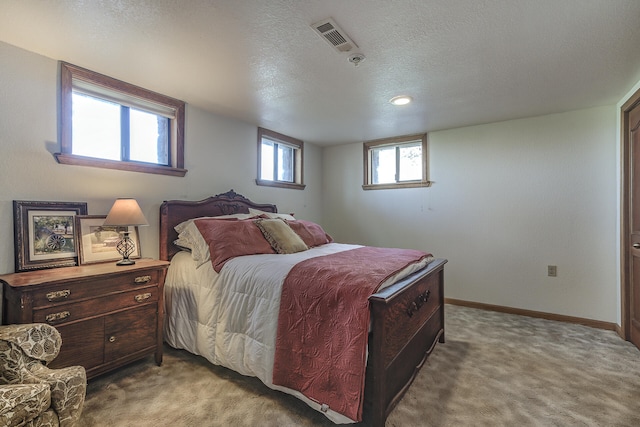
<point x="107" y="315"/>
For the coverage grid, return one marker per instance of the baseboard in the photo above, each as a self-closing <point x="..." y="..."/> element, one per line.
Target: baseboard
<point x="539" y="314"/>
<point x="619" y="332"/>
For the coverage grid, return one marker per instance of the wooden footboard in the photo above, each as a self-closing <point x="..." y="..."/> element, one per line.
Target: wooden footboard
<point x="407" y="321"/>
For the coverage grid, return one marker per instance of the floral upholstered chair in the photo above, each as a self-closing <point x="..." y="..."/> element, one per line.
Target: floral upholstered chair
<point x="30" y="393"/>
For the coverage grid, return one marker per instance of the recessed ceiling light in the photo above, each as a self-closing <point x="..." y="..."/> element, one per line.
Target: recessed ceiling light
<point x="400" y="100"/>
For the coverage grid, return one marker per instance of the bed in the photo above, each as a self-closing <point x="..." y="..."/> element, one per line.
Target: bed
<point x="405" y="318"/>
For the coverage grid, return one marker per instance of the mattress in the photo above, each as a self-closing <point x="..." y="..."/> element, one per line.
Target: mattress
<point x="231" y="317"/>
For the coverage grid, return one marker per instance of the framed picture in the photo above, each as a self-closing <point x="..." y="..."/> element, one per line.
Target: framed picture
<point x="97" y="242"/>
<point x="44" y="234"/>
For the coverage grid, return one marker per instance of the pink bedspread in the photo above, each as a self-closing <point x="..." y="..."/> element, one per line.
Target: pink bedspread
<point x="323" y="324"/>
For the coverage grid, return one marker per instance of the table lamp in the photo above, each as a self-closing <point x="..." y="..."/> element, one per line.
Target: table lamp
<point x="125" y="213"/>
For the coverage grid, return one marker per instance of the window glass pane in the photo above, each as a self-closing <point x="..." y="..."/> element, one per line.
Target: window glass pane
<point x="383" y="165"/>
<point x="149" y="135"/>
<point x="266" y="160"/>
<point x="279" y="160"/>
<point x="96" y="127"/>
<point x="285" y="163"/>
<point x="410" y="162"/>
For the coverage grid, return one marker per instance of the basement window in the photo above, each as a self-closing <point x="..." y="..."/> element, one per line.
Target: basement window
<point x="399" y="162"/>
<point x="111" y="124"/>
<point x="279" y="160"/>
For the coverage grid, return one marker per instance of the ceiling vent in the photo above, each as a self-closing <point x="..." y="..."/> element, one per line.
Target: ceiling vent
<point x="334" y="35"/>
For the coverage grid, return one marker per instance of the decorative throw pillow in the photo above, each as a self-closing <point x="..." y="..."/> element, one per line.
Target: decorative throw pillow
<point x="190" y="238"/>
<point x="311" y="233"/>
<point x="281" y="237"/>
<point x="229" y="239"/>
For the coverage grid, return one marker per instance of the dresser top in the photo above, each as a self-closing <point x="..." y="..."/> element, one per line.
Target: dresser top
<point x="63" y="274"/>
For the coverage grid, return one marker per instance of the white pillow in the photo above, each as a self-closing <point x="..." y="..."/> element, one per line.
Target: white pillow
<point x="256" y="212"/>
<point x="191" y="238"/>
<point x="180" y="227"/>
<point x="183" y="243"/>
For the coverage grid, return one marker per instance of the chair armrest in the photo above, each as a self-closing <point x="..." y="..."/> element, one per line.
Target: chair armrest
<point x="37" y="340"/>
<point x="68" y="389"/>
<point x="20" y="403"/>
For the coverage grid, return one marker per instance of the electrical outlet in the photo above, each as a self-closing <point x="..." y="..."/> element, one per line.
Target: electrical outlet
<point x="552" y="270"/>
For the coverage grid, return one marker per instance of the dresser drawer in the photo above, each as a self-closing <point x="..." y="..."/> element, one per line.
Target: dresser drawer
<point x="91" y="288"/>
<point x="65" y="313"/>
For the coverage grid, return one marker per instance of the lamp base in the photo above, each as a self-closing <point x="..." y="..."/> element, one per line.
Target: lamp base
<point x="125" y="247"/>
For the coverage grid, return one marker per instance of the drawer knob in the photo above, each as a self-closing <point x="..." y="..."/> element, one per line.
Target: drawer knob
<point x="56" y="317"/>
<point x="143" y="297"/>
<point x="112" y="339"/>
<point x="142" y="279"/>
<point x="58" y="295"/>
<point x="418" y="302"/>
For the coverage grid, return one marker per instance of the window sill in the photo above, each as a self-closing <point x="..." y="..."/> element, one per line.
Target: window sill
<point x="291" y="185"/>
<point x="71" y="159"/>
<point x="400" y="185"/>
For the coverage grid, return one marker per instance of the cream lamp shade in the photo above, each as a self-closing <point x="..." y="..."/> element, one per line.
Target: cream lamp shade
<point x="125" y="213"/>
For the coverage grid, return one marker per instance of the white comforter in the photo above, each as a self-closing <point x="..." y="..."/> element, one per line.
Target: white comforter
<point x="231" y="318"/>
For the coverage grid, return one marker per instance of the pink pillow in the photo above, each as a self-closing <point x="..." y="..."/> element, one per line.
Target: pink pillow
<point x="311" y="233"/>
<point x="229" y="239"/>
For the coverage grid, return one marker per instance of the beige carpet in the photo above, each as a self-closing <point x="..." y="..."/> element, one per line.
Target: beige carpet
<point x="495" y="369"/>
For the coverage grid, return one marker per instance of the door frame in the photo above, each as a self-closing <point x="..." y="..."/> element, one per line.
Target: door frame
<point x="625" y="195"/>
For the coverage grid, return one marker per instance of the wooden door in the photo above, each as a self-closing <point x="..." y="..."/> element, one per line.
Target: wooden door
<point x="632" y="298"/>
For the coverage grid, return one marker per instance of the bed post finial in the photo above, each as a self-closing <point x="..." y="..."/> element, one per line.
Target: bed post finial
<point x="231" y="195"/>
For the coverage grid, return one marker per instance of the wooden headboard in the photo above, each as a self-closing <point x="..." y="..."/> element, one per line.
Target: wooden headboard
<point x="173" y="212"/>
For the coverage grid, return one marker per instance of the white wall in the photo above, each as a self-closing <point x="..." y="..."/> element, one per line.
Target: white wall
<point x="508" y="199"/>
<point x="220" y="154"/>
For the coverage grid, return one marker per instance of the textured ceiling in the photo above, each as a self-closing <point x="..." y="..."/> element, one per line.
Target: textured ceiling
<point x="464" y="62"/>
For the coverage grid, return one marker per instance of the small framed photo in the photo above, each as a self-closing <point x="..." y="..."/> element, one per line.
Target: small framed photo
<point x="44" y="234"/>
<point x="98" y="243"/>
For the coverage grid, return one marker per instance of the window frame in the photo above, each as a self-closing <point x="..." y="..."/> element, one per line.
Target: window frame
<point x="298" y="163"/>
<point x="395" y="142"/>
<point x="70" y="73"/>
